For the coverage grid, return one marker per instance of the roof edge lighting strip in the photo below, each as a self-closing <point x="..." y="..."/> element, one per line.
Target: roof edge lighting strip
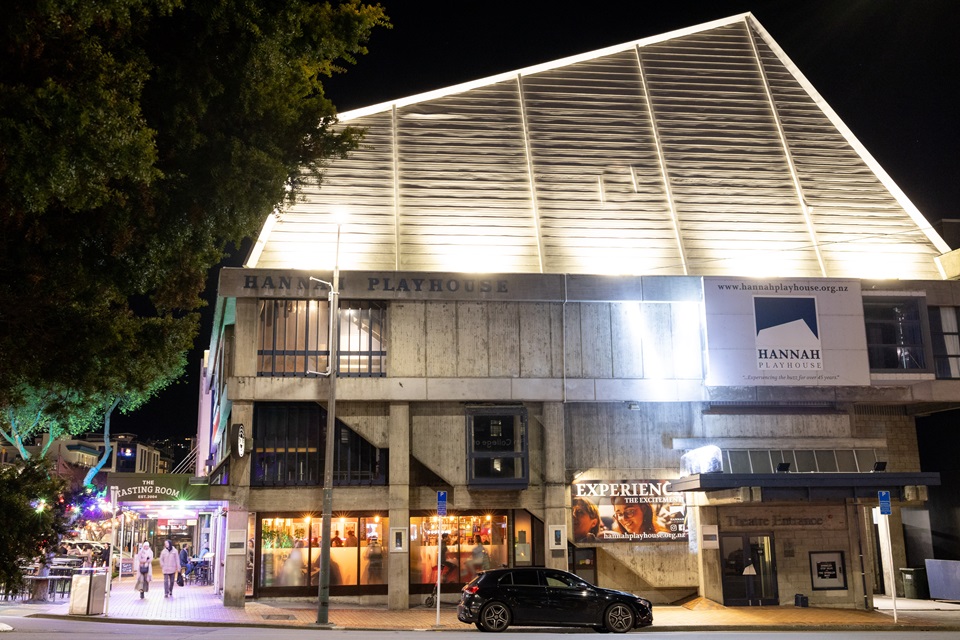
<point x="851" y="139"/>
<point x="671" y="205"/>
<point x="786" y="148"/>
<point x="535" y="208"/>
<point x="396" y="188"/>
<point x="346" y="116"/>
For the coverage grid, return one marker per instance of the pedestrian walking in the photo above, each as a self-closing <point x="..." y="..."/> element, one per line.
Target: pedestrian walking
<point x="169" y="566"/>
<point x="145" y="568"/>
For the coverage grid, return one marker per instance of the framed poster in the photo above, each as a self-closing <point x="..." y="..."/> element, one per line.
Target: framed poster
<point x="627" y="510"/>
<point x="398" y="540"/>
<point x="558" y="536"/>
<point x="826" y="570"/>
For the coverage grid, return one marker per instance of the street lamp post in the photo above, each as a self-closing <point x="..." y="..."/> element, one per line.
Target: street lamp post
<point x="323" y="590"/>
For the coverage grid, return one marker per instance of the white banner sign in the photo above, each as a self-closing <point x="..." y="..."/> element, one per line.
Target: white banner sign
<point x="790" y="332"/>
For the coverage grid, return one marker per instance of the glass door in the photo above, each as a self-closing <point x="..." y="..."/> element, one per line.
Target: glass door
<point x="749" y="570"/>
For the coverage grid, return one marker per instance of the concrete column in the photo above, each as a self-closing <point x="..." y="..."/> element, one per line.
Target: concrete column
<point x="244" y="342"/>
<point x="860" y="579"/>
<point x="556" y="504"/>
<point x="708" y="560"/>
<point x="398" y="565"/>
<point x="235" y="563"/>
<point x="892" y="565"/>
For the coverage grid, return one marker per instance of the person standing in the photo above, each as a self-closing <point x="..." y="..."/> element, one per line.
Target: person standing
<point x="447" y="569"/>
<point x="144" y="568"/>
<point x="169" y="565"/>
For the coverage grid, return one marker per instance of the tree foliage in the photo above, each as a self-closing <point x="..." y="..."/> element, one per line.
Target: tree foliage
<point x="138" y="137"/>
<point x="59" y="412"/>
<point x="34" y="516"/>
<point x="65" y="413"/>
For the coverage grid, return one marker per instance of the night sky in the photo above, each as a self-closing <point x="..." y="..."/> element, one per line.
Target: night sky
<point x="888" y="68"/>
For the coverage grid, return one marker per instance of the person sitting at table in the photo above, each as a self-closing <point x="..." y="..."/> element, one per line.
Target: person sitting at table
<point x="186" y="566"/>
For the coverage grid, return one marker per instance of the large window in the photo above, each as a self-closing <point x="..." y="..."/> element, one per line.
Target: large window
<point x="288" y="448"/>
<point x="895" y="334"/>
<point x="290" y="552"/>
<point x="800" y="460"/>
<point x="945" y="339"/>
<point x="472" y="543"/>
<point x="362" y="324"/>
<point x="497" y="447"/>
<point x="293" y="338"/>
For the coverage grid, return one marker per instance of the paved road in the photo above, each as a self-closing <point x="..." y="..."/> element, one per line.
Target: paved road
<point x="50" y="629"/>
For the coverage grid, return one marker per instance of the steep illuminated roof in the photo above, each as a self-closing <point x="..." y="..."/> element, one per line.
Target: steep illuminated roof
<point x="699" y="152"/>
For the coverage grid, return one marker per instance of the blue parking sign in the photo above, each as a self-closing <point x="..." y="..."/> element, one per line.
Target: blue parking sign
<point x="884" y="497"/>
<point x="441" y="503"/>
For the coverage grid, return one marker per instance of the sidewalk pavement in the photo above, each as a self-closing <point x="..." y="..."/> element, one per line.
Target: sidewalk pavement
<point x="201" y="606"/>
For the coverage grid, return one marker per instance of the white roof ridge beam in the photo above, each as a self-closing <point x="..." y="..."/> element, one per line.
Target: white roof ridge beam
<point x="848" y="135"/>
<point x="539" y="68"/>
<point x="257" y="249"/>
<point x="531" y="174"/>
<point x="785" y="144"/>
<point x="396" y="187"/>
<point x="662" y="161"/>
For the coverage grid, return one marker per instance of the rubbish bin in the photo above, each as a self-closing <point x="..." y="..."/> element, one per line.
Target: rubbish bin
<point x="87" y="594"/>
<point x="915" y="583"/>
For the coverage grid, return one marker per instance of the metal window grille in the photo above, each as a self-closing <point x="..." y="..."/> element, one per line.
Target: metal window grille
<point x="292" y="339"/>
<point x="289" y="444"/>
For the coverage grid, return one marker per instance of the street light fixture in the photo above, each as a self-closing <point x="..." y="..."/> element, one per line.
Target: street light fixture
<point x="323" y="590"/>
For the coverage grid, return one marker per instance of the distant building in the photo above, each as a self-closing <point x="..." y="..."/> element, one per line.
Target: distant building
<point x="79" y="453"/>
<point x="128" y="454"/>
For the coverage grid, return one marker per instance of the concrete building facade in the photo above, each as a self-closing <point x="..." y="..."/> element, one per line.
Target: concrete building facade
<point x="651" y="314"/>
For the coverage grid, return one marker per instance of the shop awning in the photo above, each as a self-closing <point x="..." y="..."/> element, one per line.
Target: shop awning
<point x="809" y="486"/>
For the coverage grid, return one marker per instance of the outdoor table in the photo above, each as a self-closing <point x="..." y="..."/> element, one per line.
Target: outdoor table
<point x="52" y="587"/>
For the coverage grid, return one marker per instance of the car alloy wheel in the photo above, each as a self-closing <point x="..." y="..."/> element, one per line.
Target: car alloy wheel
<point x="495" y="616"/>
<point x="618" y="618"/>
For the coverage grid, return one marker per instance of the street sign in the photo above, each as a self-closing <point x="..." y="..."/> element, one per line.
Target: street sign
<point x="884" y="497"/>
<point x="441" y="503"/>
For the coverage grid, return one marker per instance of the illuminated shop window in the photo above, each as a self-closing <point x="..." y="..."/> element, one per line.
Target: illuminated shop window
<point x="895" y="334"/>
<point x="293" y="338"/>
<point x="289" y="554"/>
<point x="497" y="447"/>
<point x="473" y="543"/>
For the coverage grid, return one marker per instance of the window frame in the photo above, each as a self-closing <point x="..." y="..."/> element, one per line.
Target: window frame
<point x="922" y="325"/>
<point x="293" y="338"/>
<point x="946" y="364"/>
<point x="289" y="445"/>
<point x="522" y="456"/>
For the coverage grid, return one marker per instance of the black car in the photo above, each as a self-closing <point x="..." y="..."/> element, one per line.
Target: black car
<point x="536" y="596"/>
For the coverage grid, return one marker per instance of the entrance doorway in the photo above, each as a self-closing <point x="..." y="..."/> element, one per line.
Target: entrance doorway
<point x="749" y="570"/>
<point x="584" y="563"/>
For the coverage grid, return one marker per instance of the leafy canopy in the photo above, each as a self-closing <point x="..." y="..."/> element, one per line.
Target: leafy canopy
<point x="139" y="136"/>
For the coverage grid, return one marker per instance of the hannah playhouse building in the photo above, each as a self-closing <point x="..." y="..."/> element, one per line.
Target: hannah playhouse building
<point x="651" y="314"/>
